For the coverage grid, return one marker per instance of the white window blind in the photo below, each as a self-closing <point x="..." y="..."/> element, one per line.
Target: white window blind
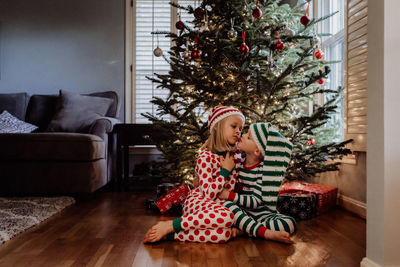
<point x="356" y="78"/>
<point x="151" y="16"/>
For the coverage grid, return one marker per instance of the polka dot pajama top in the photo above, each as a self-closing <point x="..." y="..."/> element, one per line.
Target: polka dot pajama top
<point x="204" y="217"/>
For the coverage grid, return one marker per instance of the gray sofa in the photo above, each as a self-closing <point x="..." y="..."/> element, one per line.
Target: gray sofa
<point x="52" y="163"/>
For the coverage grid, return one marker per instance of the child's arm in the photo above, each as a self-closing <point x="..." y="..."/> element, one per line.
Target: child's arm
<point x="209" y="185"/>
<point x="249" y="200"/>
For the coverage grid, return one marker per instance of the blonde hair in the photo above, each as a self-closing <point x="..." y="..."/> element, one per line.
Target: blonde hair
<point x="217" y="141"/>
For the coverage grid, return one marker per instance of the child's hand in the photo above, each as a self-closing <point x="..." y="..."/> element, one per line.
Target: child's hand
<point x="196" y="180"/>
<point x="224" y="194"/>
<point x="227" y="162"/>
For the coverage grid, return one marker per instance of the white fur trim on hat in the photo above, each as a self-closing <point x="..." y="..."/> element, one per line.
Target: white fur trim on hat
<point x="259" y="133"/>
<point x="221" y="112"/>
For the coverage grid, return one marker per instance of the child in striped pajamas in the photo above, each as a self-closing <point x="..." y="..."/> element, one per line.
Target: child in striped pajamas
<point x="254" y="208"/>
<point x="204" y="217"/>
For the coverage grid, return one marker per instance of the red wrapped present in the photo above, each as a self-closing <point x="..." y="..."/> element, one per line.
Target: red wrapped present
<point x="164" y="188"/>
<point x="173" y="197"/>
<point x="326" y="194"/>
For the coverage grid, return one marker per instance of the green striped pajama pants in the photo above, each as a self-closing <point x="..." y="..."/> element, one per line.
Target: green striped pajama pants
<point x="251" y="221"/>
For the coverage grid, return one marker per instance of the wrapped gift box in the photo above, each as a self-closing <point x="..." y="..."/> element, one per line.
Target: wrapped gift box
<point x="299" y="205"/>
<point x="326" y="195"/>
<point x="163" y="188"/>
<point x="172" y="198"/>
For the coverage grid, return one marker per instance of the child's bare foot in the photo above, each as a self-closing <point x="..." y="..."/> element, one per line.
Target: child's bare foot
<point x="158" y="231"/>
<point x="236" y="232"/>
<point x="280" y="236"/>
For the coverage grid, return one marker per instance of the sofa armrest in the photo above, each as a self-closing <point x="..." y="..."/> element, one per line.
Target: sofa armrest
<point x="102" y="126"/>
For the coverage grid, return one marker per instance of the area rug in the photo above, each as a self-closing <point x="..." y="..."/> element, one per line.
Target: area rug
<point x="20" y="213"/>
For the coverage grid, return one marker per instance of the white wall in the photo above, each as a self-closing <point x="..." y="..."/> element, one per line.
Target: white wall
<point x="350" y="179"/>
<point x="75" y="45"/>
<point x="383" y="156"/>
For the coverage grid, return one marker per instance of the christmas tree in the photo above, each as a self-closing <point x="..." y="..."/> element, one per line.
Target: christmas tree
<point x="262" y="57"/>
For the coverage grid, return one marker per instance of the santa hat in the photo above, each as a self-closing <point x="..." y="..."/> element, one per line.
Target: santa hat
<point x="221" y="112"/>
<point x="276" y="150"/>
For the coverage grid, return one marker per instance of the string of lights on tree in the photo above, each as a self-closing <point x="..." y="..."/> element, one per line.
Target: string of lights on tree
<point x="262" y="57"/>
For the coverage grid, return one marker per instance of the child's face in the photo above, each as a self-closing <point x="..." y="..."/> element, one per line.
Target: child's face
<point x="247" y="144"/>
<point x="232" y="128"/>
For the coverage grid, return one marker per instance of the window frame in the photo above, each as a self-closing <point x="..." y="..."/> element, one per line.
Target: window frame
<point x="339" y="36"/>
<point x="130" y="54"/>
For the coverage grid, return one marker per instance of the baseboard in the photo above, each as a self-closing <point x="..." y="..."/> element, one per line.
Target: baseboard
<point x="368" y="263"/>
<point x="353" y="206"/>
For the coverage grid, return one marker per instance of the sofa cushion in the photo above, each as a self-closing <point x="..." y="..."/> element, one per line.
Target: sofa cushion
<point x="51" y="147"/>
<point x="76" y="113"/>
<point x="11" y="124"/>
<point x="114" y="108"/>
<point x="40" y="110"/>
<point x="15" y="104"/>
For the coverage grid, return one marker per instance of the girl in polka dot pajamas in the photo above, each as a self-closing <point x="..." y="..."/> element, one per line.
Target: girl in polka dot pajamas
<point x="204" y="218"/>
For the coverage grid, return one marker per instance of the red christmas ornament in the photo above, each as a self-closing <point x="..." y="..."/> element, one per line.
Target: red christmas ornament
<point x="304" y="19"/>
<point x="179" y="25"/>
<point x="257" y="12"/>
<point x="319" y="54"/>
<point x="244" y="49"/>
<point x="311" y="142"/>
<point x="196" y="55"/>
<point x="198" y="13"/>
<point x="321" y="81"/>
<point x="279" y="44"/>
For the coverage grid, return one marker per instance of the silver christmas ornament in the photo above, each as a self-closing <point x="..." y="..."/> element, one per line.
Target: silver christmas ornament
<point x="316" y="41"/>
<point x="232" y="34"/>
<point x="211" y="25"/>
<point x="289" y="32"/>
<point x="157" y="52"/>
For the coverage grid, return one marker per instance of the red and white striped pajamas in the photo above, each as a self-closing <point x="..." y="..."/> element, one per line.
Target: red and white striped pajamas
<point x="204" y="217"/>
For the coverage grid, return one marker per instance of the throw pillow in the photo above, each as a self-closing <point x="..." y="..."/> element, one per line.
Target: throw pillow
<point x="11" y="124"/>
<point x="76" y="113"/>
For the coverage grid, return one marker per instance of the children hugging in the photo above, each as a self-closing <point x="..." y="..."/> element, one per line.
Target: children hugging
<point x="214" y="209"/>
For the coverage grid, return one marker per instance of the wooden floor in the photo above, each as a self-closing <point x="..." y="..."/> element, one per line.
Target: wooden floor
<point x="107" y="230"/>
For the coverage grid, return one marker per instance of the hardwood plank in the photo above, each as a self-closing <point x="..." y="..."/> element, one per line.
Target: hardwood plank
<point x="108" y="229"/>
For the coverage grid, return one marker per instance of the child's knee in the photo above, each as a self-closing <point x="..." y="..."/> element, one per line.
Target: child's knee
<point x="223" y="235"/>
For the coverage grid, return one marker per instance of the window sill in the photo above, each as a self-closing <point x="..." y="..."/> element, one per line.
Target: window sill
<point x="349" y="159"/>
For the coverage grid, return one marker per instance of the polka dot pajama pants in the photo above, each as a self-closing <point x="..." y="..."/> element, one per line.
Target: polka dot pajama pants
<point x="204" y="220"/>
